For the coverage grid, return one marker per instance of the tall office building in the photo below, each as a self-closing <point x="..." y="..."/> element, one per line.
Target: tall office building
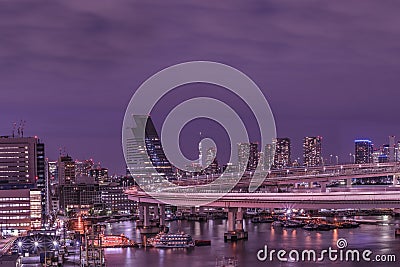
<point x="138" y="165"/>
<point x="21" y="161"/>
<point x="363" y="151"/>
<point x="82" y="168"/>
<point x="211" y="155"/>
<point x="248" y="153"/>
<point x="392" y="148"/>
<point x="23" y="167"/>
<point x="282" y="152"/>
<point x="155" y="150"/>
<point x="269" y="153"/>
<point x="312" y="147"/>
<point x="99" y="174"/>
<point x="66" y="170"/>
<point x="211" y="161"/>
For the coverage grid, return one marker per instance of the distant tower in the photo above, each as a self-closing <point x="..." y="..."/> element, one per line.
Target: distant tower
<point x="312" y="147"/>
<point x="248" y="152"/>
<point x="200" y="153"/>
<point x="282" y="152"/>
<point x="363" y="151"/>
<point x="392" y="147"/>
<point x="269" y="153"/>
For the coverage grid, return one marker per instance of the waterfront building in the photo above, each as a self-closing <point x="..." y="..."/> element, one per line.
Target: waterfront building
<point x="115" y="200"/>
<point x="79" y="197"/>
<point x="20" y="210"/>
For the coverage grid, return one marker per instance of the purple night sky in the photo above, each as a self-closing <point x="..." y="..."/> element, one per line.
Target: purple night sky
<point x="69" y="68"/>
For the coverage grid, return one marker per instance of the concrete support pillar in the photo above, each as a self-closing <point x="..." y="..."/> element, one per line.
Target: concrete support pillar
<point x="348" y="182"/>
<point x="141" y="212"/>
<point x="162" y="215"/>
<point x="155" y="209"/>
<point x="323" y="186"/>
<point x="296" y="185"/>
<point x="239" y="219"/>
<point x="146" y="215"/>
<point x="395" y="179"/>
<point x="310" y="185"/>
<point x="231" y="220"/>
<point x="201" y="210"/>
<point x="192" y="210"/>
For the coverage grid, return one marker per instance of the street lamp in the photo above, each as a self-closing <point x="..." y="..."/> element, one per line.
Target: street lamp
<point x="36" y="244"/>
<point x="19" y="246"/>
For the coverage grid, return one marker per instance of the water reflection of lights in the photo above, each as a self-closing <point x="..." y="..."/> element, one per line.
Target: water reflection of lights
<point x="114" y="250"/>
<point x="335" y="234"/>
<point x="294" y="232"/>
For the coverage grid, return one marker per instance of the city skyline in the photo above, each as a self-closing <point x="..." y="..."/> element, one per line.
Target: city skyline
<point x="326" y="69"/>
<point x="312" y="153"/>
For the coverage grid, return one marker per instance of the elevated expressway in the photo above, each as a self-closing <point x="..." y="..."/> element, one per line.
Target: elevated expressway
<point x="314" y="198"/>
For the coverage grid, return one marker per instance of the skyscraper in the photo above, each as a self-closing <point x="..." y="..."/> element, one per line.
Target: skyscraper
<point x="248" y="153"/>
<point x="211" y="161"/>
<point x="312" y="147"/>
<point x="211" y="155"/>
<point x="392" y="148"/>
<point x="139" y="166"/>
<point x="155" y="150"/>
<point x="282" y="152"/>
<point x="66" y="170"/>
<point x="363" y="151"/>
<point x="23" y="167"/>
<point x="21" y="161"/>
<point x="269" y="153"/>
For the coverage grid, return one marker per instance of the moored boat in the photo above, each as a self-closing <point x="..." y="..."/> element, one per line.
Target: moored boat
<point x="178" y="240"/>
<point x="310" y="227"/>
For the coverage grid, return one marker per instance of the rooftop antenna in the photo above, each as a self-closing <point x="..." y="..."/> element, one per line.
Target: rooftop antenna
<point x="14" y="127"/>
<point x="22" y="127"/>
<point x="19" y="130"/>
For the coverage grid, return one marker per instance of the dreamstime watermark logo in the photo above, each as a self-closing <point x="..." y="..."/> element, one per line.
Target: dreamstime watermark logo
<point x="340" y="253"/>
<point x="142" y="153"/>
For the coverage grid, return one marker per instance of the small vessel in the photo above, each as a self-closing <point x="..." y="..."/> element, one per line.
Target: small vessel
<point x="292" y="224"/>
<point x="178" y="240"/>
<point x="262" y="219"/>
<point x="350" y="224"/>
<point x="277" y="224"/>
<point x="324" y="227"/>
<point x="202" y="243"/>
<point x="310" y="227"/>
